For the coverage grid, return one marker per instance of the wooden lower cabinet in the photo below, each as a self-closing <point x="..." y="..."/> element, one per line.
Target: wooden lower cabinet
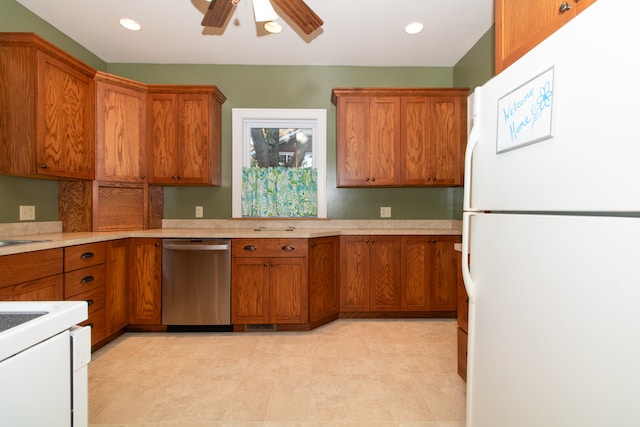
<point x="369" y="273"/>
<point x="324" y="292"/>
<point x="463" y="319"/>
<point x="269" y="290"/>
<point x="429" y="273"/>
<point x="145" y="281"/>
<point x="117" y="295"/>
<point x="292" y="283"/>
<point x="84" y="280"/>
<point x="32" y="276"/>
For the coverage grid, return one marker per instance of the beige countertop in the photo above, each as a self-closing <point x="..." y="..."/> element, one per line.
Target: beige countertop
<point x="53" y="237"/>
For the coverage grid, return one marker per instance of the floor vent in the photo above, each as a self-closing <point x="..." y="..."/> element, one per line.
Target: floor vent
<point x="260" y="328"/>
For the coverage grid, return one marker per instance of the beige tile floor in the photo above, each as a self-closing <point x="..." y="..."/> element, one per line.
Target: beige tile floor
<point x="399" y="372"/>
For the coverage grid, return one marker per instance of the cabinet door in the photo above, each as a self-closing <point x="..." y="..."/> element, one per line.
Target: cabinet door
<point x="384" y="141"/>
<point x="117" y="305"/>
<point x="416" y="273"/>
<point x="444" y="276"/>
<point x="250" y="291"/>
<point x="324" y="293"/>
<point x="522" y="25"/>
<point x="120" y="130"/>
<point x="145" y="278"/>
<point x="354" y="273"/>
<point x="353" y="141"/>
<point x="289" y="298"/>
<point x="162" y="135"/>
<point x="194" y="119"/>
<point x="65" y="120"/>
<point x="447" y="134"/>
<point x="384" y="273"/>
<point x="415" y="147"/>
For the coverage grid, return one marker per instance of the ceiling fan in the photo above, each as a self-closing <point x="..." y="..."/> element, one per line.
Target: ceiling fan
<point x="297" y="10"/>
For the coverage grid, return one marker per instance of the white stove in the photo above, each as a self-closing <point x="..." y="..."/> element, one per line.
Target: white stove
<point x="44" y="358"/>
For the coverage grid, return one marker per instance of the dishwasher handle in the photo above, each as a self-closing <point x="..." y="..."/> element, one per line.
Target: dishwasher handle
<point x="196" y="246"/>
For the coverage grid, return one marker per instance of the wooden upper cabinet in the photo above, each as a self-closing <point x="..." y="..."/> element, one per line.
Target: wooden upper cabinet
<point x="120" y="129"/>
<point x="184" y="135"/>
<point x="47" y="110"/>
<point x="522" y="25"/>
<point x="433" y="139"/>
<point x="400" y="137"/>
<point x="368" y="134"/>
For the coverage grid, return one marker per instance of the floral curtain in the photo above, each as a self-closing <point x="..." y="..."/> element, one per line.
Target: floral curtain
<point x="279" y="192"/>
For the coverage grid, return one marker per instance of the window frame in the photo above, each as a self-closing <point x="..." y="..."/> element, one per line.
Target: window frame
<point x="279" y="118"/>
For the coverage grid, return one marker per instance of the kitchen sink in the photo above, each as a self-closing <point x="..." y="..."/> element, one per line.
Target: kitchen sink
<point x="19" y="242"/>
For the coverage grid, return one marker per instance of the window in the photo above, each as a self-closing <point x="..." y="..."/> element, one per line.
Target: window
<point x="279" y="163"/>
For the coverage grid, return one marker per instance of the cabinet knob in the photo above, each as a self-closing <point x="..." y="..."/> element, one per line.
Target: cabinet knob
<point x="89" y="302"/>
<point x="373" y="241"/>
<point x="157" y="244"/>
<point x="265" y="264"/>
<point x="273" y="264"/>
<point x="179" y="177"/>
<point x="367" y="179"/>
<point x="564" y="7"/>
<point x="142" y="177"/>
<point x="43" y="166"/>
<point x="373" y="179"/>
<point x="174" y="177"/>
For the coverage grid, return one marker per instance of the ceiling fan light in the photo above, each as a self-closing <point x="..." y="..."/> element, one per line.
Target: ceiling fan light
<point x="414" y="28"/>
<point x="130" y="24"/>
<point x="273" y="27"/>
<point x="263" y="11"/>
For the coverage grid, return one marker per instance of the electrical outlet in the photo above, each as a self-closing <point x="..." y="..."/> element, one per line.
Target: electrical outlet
<point x="27" y="213"/>
<point x="385" y="212"/>
<point x="199" y="212"/>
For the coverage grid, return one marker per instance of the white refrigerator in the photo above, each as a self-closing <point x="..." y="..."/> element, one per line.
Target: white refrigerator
<point x="551" y="230"/>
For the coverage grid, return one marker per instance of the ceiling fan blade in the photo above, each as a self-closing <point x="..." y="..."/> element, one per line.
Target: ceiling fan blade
<point x="218" y="13"/>
<point x="301" y="14"/>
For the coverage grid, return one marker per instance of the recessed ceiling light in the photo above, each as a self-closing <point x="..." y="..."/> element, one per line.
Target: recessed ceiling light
<point x="413" y="28"/>
<point x="130" y="24"/>
<point x="273" y="27"/>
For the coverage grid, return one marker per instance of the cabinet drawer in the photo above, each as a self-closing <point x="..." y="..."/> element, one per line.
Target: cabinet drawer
<point x="83" y="280"/>
<point x="82" y="256"/>
<point x="97" y="321"/>
<point x="269" y="247"/>
<point x="95" y="297"/>
<point x="24" y="267"/>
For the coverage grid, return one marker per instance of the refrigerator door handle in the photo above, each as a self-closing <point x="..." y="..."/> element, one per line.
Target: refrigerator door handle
<point x="466" y="272"/>
<point x="472" y="141"/>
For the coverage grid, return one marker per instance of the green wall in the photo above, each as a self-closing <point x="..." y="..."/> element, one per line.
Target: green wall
<point x="260" y="87"/>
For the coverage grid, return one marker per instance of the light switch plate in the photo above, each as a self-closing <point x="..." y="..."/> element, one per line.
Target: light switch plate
<point x="199" y="211"/>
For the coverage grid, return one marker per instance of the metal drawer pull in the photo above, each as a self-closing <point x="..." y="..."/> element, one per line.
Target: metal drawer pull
<point x="86" y="279"/>
<point x="288" y="248"/>
<point x="249" y="248"/>
<point x="564" y="7"/>
<point x="86" y="255"/>
<point x="89" y="302"/>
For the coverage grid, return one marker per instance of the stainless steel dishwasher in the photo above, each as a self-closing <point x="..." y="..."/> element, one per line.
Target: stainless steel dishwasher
<point x="196" y="283"/>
